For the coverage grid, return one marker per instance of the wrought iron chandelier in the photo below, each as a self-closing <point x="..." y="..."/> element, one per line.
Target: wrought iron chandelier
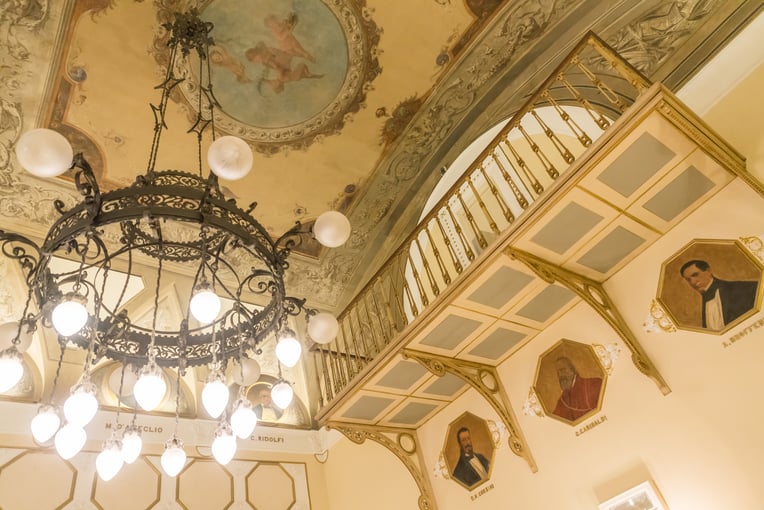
<point x="166" y="217"/>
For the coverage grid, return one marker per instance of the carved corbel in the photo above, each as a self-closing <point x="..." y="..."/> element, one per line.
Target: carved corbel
<point x="485" y="379"/>
<point x="403" y="443"/>
<point x="594" y="294"/>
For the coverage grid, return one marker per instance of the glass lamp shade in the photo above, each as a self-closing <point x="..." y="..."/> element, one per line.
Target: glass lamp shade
<point x="230" y="157"/>
<point x="70" y="315"/>
<point x="288" y="350"/>
<point x="205" y="304"/>
<point x="224" y="445"/>
<point x="8" y="332"/>
<point x="282" y="394"/>
<point x="44" y="152"/>
<point x="150" y="387"/>
<point x="45" y="423"/>
<point x="243" y="418"/>
<point x="132" y="444"/>
<point x="215" y="395"/>
<point x="69" y="440"/>
<point x="109" y="461"/>
<point x="246" y="372"/>
<point x="323" y="327"/>
<point x="331" y="229"/>
<point x="174" y="457"/>
<point x="81" y="406"/>
<point x="11" y="369"/>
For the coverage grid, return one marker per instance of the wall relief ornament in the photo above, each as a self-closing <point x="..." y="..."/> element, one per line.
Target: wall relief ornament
<point x="649" y="40"/>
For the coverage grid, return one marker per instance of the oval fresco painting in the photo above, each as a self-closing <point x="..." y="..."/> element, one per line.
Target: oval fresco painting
<point x="279" y="67"/>
<point x="290" y="71"/>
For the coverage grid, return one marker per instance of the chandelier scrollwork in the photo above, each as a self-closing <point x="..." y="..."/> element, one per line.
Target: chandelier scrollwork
<point x="79" y="277"/>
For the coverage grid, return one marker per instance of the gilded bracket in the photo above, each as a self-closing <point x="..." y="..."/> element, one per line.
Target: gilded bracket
<point x="403" y="443"/>
<point x="594" y="294"/>
<point x="485" y="379"/>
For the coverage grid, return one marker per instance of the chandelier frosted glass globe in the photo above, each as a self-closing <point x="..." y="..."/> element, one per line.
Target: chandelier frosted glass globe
<point x="81" y="406"/>
<point x="69" y="440"/>
<point x="132" y="444"/>
<point x="70" y="315"/>
<point x="282" y="394"/>
<point x="230" y="157"/>
<point x="205" y="305"/>
<point x="11" y="369"/>
<point x="8" y="332"/>
<point x="245" y="371"/>
<point x="44" y="152"/>
<point x="331" y="229"/>
<point x="288" y="351"/>
<point x="215" y="395"/>
<point x="174" y="457"/>
<point x="224" y="445"/>
<point x="150" y="387"/>
<point x="45" y="423"/>
<point x="243" y="418"/>
<point x="323" y="327"/>
<point x="109" y="461"/>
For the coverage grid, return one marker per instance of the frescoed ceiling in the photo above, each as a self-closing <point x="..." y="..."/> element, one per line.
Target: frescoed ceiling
<point x="352" y="105"/>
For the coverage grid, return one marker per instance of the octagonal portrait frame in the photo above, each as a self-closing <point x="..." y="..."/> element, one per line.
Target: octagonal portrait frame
<point x="729" y="262"/>
<point x="483" y="445"/>
<point x="587" y="365"/>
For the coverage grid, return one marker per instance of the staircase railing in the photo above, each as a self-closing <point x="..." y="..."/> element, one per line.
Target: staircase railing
<point x="581" y="99"/>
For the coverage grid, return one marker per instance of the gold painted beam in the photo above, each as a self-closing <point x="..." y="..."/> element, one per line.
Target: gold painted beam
<point x="485" y="379"/>
<point x="403" y="443"/>
<point x="594" y="294"/>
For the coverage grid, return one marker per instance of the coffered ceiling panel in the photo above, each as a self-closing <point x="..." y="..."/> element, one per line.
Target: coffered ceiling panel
<point x="496" y="343"/>
<point x="680" y="191"/>
<point x="447" y="387"/>
<point x="368" y="407"/>
<point x="644" y="156"/>
<point x="566" y="226"/>
<point x="498" y="288"/>
<point x="542" y="307"/>
<point x="399" y="376"/>
<point x="450" y="331"/>
<point x="412" y="412"/>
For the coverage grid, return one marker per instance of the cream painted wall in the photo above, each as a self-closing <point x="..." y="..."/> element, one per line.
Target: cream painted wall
<point x="701" y="444"/>
<point x="367" y="476"/>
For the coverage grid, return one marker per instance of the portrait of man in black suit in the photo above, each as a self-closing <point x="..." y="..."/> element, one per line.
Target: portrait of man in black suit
<point x="471" y="467"/>
<point x="723" y="301"/>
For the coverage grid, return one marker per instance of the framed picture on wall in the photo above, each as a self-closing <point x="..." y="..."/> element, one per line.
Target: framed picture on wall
<point x="642" y="497"/>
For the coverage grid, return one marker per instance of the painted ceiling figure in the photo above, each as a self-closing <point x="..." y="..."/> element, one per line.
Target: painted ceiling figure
<point x="579" y="394"/>
<point x="472" y="467"/>
<point x="723" y="300"/>
<point x="282" y="30"/>
<point x="280" y="62"/>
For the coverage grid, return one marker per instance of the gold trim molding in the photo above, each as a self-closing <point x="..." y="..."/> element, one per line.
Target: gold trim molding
<point x="485" y="379"/>
<point x="593" y="293"/>
<point x="404" y="444"/>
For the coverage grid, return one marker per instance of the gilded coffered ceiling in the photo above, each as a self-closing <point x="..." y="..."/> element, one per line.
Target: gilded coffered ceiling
<point x="352" y="105"/>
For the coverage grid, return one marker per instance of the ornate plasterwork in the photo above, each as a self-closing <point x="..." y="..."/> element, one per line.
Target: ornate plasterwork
<point x="362" y="37"/>
<point x="509" y="33"/>
<point x="648" y="41"/>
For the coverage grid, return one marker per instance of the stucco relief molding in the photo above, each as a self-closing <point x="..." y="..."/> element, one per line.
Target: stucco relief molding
<point x="658" y="320"/>
<point x="403" y="443"/>
<point x="593" y="293"/>
<point x="511" y="31"/>
<point x="485" y="379"/>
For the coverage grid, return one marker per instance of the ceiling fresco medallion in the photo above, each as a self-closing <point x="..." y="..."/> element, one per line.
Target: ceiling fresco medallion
<point x="291" y="72"/>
